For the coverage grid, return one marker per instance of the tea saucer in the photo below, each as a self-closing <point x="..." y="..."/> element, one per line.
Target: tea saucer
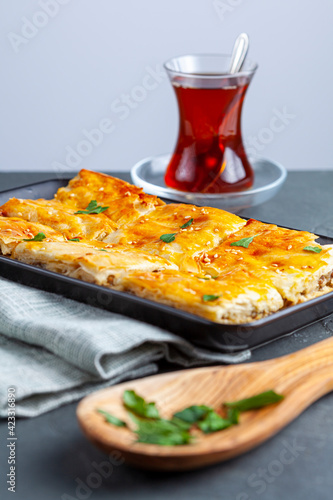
<point x="269" y="177"/>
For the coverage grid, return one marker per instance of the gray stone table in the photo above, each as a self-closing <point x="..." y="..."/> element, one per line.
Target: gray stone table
<point x="55" y="461"/>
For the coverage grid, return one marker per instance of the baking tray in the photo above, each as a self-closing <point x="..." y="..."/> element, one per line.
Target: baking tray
<point x="199" y="331"/>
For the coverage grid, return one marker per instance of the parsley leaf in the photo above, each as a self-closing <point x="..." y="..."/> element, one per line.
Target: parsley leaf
<point x="92" y="208"/>
<point x="214" y="422"/>
<point x="192" y="414"/>
<point x="138" y="405"/>
<point x="259" y="401"/>
<point x="233" y="415"/>
<point x="162" y="432"/>
<point x="168" y="238"/>
<point x="38" y="237"/>
<point x="187" y="224"/>
<point x="210" y="298"/>
<point x="102" y="250"/>
<point x="313" y="249"/>
<point x="74" y="239"/>
<point x="244" y="242"/>
<point x="111" y="419"/>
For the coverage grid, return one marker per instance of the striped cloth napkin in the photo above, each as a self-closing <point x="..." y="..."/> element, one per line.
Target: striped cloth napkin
<point x="55" y="350"/>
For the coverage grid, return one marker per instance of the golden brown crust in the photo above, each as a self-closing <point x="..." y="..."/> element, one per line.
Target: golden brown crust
<point x="125" y="201"/>
<point x="14" y="230"/>
<point x="205" y="229"/>
<point x="60" y="217"/>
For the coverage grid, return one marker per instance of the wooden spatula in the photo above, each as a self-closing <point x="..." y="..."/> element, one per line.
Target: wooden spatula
<point x="303" y="377"/>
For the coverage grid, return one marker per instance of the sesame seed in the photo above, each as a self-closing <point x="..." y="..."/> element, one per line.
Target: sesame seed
<point x="304" y="267"/>
<point x="187" y="217"/>
<point x="194" y="209"/>
<point x="128" y="193"/>
<point x="71" y="195"/>
<point x="240" y="258"/>
<point x="290" y="247"/>
<point x="227" y="250"/>
<point x="197" y="229"/>
<point x="291" y="267"/>
<point x="101" y="189"/>
<point x="215" y="255"/>
<point x="216" y="230"/>
<point x="19" y="214"/>
<point x="275" y="265"/>
<point x="264" y="267"/>
<point x="129" y="242"/>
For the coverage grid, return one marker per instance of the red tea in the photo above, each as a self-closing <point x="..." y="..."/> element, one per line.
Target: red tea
<point x="209" y="156"/>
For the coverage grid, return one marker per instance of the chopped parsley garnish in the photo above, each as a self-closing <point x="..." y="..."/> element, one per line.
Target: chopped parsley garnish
<point x="259" y="401"/>
<point x="210" y="298"/>
<point x="38" y="237"/>
<point x="152" y="429"/>
<point x="244" y="242"/>
<point x="111" y="419"/>
<point x="92" y="208"/>
<point x="138" y="405"/>
<point x="313" y="249"/>
<point x="74" y="239"/>
<point x="187" y="224"/>
<point x="168" y="238"/>
<point x="102" y="250"/>
<point x="193" y="413"/>
<point x="162" y="432"/>
<point x="213" y="422"/>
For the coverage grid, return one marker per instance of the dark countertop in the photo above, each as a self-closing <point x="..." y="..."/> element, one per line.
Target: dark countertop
<point x="55" y="461"/>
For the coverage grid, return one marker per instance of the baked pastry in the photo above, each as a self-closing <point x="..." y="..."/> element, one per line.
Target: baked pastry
<point x="178" y="232"/>
<point x="202" y="260"/>
<point x="95" y="264"/>
<point x="63" y="218"/>
<point x="14" y="230"/>
<point x="125" y="202"/>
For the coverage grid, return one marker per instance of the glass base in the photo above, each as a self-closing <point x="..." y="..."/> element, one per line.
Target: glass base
<point x="269" y="177"/>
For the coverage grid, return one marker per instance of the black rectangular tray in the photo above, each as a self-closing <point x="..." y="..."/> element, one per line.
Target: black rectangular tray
<point x="199" y="331"/>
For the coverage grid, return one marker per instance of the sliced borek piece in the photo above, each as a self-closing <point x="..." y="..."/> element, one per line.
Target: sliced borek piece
<point x="13" y="231"/>
<point x="178" y="232"/>
<point x="125" y="201"/>
<point x="277" y="255"/>
<point x="60" y="217"/>
<point x="237" y="298"/>
<point x="86" y="262"/>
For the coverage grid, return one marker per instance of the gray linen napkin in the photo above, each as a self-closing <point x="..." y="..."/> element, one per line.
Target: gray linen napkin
<point x="55" y="350"/>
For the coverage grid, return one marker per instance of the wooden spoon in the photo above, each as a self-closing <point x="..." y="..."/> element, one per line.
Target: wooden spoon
<point x="303" y="377"/>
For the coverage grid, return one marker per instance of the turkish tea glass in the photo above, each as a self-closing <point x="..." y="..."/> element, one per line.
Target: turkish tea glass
<point x="209" y="156"/>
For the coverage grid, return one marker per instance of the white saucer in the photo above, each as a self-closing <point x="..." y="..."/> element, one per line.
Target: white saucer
<point x="269" y="177"/>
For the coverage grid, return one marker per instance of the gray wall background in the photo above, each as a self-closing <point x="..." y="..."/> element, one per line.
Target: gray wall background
<point x="71" y="66"/>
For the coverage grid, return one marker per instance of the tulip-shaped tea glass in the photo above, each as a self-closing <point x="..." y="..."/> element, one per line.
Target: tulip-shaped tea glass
<point x="209" y="156"/>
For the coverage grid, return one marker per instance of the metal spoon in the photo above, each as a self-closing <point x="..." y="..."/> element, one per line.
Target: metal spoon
<point x="239" y="53"/>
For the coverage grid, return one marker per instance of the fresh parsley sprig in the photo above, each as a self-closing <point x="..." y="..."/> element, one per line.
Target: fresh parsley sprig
<point x="92" y="208"/>
<point x="244" y="242"/>
<point x="313" y="249"/>
<point x="210" y="298"/>
<point x="152" y="429"/>
<point x="38" y="237"/>
<point x="170" y="237"/>
<point x="111" y="419"/>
